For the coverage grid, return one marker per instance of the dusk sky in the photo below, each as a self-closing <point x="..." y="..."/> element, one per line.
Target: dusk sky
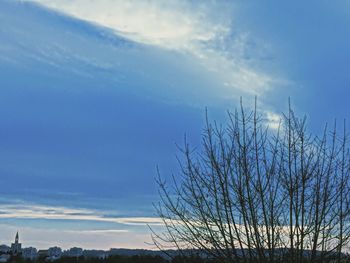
<point x="95" y="94"/>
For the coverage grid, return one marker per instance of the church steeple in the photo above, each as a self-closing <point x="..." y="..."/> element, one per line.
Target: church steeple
<point x="16" y="248"/>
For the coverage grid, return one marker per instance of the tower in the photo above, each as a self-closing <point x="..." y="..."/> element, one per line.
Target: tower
<point x="16" y="248"/>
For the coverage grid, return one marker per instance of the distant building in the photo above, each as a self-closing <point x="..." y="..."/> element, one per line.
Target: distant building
<point x="43" y="253"/>
<point x="54" y="253"/>
<point x="16" y="248"/>
<point x="4" y="258"/>
<point x="74" y="252"/>
<point x="101" y="254"/>
<point x="4" y="249"/>
<point x="29" y="253"/>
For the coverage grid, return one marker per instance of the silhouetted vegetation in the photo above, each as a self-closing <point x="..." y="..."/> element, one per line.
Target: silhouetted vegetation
<point x="255" y="194"/>
<point x="152" y="259"/>
<point x="110" y="259"/>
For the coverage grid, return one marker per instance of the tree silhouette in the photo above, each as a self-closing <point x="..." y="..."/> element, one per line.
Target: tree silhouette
<point x="255" y="194"/>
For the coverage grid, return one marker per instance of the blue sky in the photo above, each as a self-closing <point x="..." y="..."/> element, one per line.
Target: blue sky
<point x="95" y="94"/>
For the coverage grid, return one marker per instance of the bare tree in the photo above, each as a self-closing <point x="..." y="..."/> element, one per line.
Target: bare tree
<point x="255" y="194"/>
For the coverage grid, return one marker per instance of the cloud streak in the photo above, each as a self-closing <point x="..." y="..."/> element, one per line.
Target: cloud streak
<point x="20" y="211"/>
<point x="205" y="30"/>
<point x="169" y="24"/>
<point x="88" y="239"/>
<point x="80" y="227"/>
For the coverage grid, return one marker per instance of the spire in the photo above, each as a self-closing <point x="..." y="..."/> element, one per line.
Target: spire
<point x="16" y="248"/>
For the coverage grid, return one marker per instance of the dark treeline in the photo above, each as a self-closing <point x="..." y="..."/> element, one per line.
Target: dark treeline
<point x="116" y="259"/>
<point x="151" y="259"/>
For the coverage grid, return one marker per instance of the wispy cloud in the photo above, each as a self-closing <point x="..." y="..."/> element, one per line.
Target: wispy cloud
<point x="273" y="120"/>
<point x="98" y="231"/>
<point x="88" y="239"/>
<point x="44" y="226"/>
<point x="27" y="211"/>
<point x="170" y="24"/>
<point x="206" y="30"/>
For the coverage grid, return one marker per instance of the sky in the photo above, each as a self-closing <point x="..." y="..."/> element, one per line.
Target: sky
<point x="95" y="94"/>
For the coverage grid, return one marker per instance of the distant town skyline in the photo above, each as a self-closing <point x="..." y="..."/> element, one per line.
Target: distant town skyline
<point x="54" y="253"/>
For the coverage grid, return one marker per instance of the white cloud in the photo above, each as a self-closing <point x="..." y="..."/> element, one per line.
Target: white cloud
<point x="273" y="120"/>
<point x="205" y="30"/>
<point x="129" y="232"/>
<point x="94" y="239"/>
<point x="99" y="231"/>
<point x="172" y="24"/>
<point x="27" y="211"/>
